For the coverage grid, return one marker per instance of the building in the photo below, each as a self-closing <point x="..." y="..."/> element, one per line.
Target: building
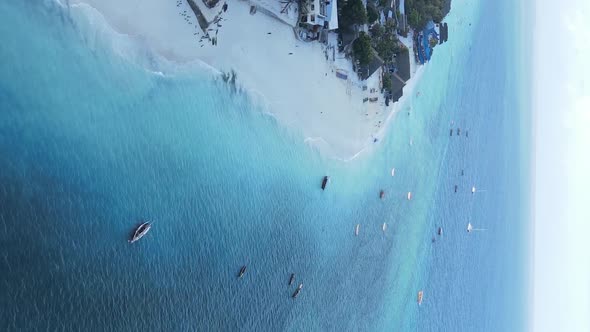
<point x="400" y="75"/>
<point x="365" y="72"/>
<point x="322" y="14"/>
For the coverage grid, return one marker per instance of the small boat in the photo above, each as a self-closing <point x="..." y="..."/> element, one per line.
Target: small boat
<point x="458" y="131"/>
<point x="456" y="188"/>
<point x="356" y="229"/>
<point x="393" y="172"/>
<point x="409" y="195"/>
<point x="411" y="142"/>
<point x="467" y="133"/>
<point x="291" y="279"/>
<point x="140" y="231"/>
<point x="451" y="132"/>
<point x="420" y="295"/>
<point x="296" y="293"/>
<point x="462" y="173"/>
<point x="473" y="190"/>
<point x="440" y="231"/>
<point x="381" y="194"/>
<point x="384" y="227"/>
<point x="325" y="182"/>
<point x="469" y="228"/>
<point x="242" y="271"/>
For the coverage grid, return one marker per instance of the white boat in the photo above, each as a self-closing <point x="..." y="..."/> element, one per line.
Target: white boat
<point x="393" y="172"/>
<point x="140" y="231"/>
<point x="356" y="229"/>
<point x="409" y="195"/>
<point x="473" y="190"/>
<point x="384" y="227"/>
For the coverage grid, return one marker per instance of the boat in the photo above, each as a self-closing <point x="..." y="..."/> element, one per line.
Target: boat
<point x="393" y="172"/>
<point x="420" y="296"/>
<point x="356" y="229"/>
<point x="467" y="133"/>
<point x="242" y="271"/>
<point x="469" y="228"/>
<point x="296" y="293"/>
<point x="473" y="190"/>
<point x="140" y="231"/>
<point x="384" y="227"/>
<point x="325" y="182"/>
<point x="381" y="194"/>
<point x="451" y="132"/>
<point x="462" y="172"/>
<point x="456" y="188"/>
<point x="440" y="231"/>
<point x="458" y="131"/>
<point x="291" y="279"/>
<point x="411" y="142"/>
<point x="409" y="195"/>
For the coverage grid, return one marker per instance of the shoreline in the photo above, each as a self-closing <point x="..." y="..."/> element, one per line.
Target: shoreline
<point x="327" y="112"/>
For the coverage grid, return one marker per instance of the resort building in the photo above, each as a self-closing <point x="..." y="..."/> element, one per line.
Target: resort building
<point x="320" y="14"/>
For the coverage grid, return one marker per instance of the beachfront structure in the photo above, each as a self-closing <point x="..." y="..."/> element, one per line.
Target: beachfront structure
<point x="424" y="41"/>
<point x="367" y="71"/>
<point x="320" y="14"/>
<point x="400" y="74"/>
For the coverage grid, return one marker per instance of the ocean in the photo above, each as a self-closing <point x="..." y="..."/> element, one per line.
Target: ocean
<point x="98" y="134"/>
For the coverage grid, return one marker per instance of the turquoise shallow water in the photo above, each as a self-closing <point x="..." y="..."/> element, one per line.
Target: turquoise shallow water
<point x="90" y="143"/>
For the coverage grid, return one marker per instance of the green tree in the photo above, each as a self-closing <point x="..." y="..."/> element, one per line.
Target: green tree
<point x="377" y="31"/>
<point x="362" y="50"/>
<point x="387" y="81"/>
<point x="372" y="14"/>
<point x="414" y="19"/>
<point x="352" y="12"/>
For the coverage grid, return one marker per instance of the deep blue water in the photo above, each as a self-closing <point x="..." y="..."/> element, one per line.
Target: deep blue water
<point x="91" y="143"/>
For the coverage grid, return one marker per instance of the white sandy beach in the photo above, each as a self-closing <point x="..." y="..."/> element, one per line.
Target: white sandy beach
<point x="295" y="79"/>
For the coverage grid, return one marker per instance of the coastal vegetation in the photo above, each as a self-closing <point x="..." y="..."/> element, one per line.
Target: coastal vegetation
<point x="352" y="13"/>
<point x="385" y="40"/>
<point x="372" y="14"/>
<point x="422" y="11"/>
<point x="362" y="49"/>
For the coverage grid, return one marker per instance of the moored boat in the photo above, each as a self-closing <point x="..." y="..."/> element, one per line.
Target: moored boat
<point x="140" y="231"/>
<point x="291" y="279"/>
<point x="420" y="296"/>
<point x="325" y="182"/>
<point x="409" y="195"/>
<point x="356" y="229"/>
<point x="381" y="194"/>
<point x="440" y="231"/>
<point x="296" y="293"/>
<point x="242" y="271"/>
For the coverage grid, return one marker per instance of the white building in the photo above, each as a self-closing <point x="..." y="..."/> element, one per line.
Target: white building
<point x="321" y="14"/>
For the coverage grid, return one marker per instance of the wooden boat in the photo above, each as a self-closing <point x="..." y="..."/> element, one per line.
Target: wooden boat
<point x="325" y="182"/>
